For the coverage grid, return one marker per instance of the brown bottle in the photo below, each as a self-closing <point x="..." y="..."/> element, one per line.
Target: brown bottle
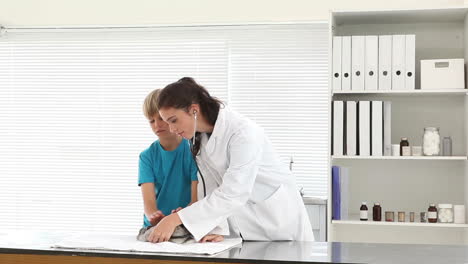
<point x="432" y="214"/>
<point x="363" y="212"/>
<point x="377" y="212"/>
<point x="403" y="143"/>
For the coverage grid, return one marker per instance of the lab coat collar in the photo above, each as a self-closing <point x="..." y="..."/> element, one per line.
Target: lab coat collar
<point x="218" y="129"/>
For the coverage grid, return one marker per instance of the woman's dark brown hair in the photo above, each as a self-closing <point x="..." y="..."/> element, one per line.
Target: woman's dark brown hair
<point x="185" y="92"/>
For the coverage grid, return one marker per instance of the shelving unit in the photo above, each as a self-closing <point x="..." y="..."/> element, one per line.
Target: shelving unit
<point x="431" y="158"/>
<point x="413" y="92"/>
<point x="384" y="223"/>
<point x="407" y="183"/>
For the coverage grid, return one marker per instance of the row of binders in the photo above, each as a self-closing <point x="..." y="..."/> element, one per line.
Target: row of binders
<point x="361" y="128"/>
<point x="374" y="62"/>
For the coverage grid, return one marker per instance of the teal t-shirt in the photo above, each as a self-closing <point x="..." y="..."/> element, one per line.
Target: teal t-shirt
<point x="172" y="173"/>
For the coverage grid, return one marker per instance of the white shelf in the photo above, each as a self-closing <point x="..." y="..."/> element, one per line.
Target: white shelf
<point x="408" y="92"/>
<point x="400" y="16"/>
<point x="399" y="157"/>
<point x="384" y="223"/>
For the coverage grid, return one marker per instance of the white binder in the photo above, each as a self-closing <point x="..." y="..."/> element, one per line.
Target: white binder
<point x="338" y="123"/>
<point x="336" y="75"/>
<point x="364" y="128"/>
<point x="377" y="128"/>
<point x="351" y="129"/>
<point x="410" y="57"/>
<point x="398" y="62"/>
<point x="385" y="62"/>
<point x="358" y="46"/>
<point x="346" y="63"/>
<point x="387" y="127"/>
<point x="344" y="195"/>
<point x="371" y="62"/>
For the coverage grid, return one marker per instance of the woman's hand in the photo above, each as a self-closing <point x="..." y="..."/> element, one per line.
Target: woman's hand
<point x="212" y="238"/>
<point x="156" y="217"/>
<point x="164" y="230"/>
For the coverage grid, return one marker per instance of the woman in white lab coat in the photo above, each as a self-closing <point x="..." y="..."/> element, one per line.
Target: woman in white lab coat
<point x="248" y="184"/>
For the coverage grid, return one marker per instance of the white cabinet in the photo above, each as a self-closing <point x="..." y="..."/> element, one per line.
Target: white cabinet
<point x="407" y="184"/>
<point x="317" y="212"/>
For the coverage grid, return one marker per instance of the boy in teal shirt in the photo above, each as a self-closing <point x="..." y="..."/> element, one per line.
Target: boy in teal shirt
<point x="167" y="172"/>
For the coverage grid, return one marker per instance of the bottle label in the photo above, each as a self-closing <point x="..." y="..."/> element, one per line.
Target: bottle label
<point x="363" y="215"/>
<point x="432" y="215"/>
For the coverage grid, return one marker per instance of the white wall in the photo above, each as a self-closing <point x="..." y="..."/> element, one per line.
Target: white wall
<point x="138" y="12"/>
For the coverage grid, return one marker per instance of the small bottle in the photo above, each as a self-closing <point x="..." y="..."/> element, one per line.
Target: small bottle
<point x="363" y="214"/>
<point x="432" y="214"/>
<point x="403" y="143"/>
<point x="377" y="212"/>
<point x="447" y="146"/>
<point x="423" y="218"/>
<point x="389" y="216"/>
<point x="401" y="217"/>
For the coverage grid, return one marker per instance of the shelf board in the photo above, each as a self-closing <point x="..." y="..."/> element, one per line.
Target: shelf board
<point x="399" y="16"/>
<point x="407" y="92"/>
<point x="399" y="157"/>
<point x="384" y="223"/>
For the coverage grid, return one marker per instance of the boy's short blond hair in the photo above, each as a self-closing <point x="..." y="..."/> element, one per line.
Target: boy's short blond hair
<point x="150" y="107"/>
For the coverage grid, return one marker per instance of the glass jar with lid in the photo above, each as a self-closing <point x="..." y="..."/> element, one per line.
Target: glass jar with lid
<point x="445" y="213"/>
<point x="431" y="141"/>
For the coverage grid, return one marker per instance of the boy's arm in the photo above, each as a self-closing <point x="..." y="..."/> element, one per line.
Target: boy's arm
<point x="194" y="192"/>
<point x="194" y="197"/>
<point x="149" y="202"/>
<point x="193" y="189"/>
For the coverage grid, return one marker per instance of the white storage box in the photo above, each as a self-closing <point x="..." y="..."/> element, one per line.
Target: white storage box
<point x="442" y="74"/>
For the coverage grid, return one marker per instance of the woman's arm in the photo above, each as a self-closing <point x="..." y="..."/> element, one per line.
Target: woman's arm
<point x="243" y="153"/>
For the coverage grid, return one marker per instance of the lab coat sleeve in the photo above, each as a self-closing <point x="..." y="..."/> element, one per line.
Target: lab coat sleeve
<point x="222" y="229"/>
<point x="243" y="153"/>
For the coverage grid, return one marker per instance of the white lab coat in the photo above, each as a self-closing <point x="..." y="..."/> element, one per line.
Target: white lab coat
<point x="253" y="189"/>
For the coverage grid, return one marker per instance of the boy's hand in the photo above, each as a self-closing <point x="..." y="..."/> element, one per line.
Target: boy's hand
<point x="156" y="217"/>
<point x="176" y="210"/>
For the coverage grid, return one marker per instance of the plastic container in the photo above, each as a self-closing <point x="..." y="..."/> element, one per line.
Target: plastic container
<point x="416" y="150"/>
<point x="459" y="214"/>
<point x="395" y="149"/>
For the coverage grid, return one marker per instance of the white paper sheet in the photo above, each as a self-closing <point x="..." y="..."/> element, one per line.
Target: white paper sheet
<point x="130" y="244"/>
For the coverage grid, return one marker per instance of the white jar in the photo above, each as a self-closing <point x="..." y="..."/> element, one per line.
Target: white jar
<point x="431" y="141"/>
<point x="445" y="213"/>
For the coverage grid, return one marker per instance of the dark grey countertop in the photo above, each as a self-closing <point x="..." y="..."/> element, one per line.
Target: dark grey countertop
<point x="283" y="252"/>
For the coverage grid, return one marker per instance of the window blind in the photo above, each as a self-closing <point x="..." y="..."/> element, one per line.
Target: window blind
<point x="279" y="78"/>
<point x="72" y="126"/>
